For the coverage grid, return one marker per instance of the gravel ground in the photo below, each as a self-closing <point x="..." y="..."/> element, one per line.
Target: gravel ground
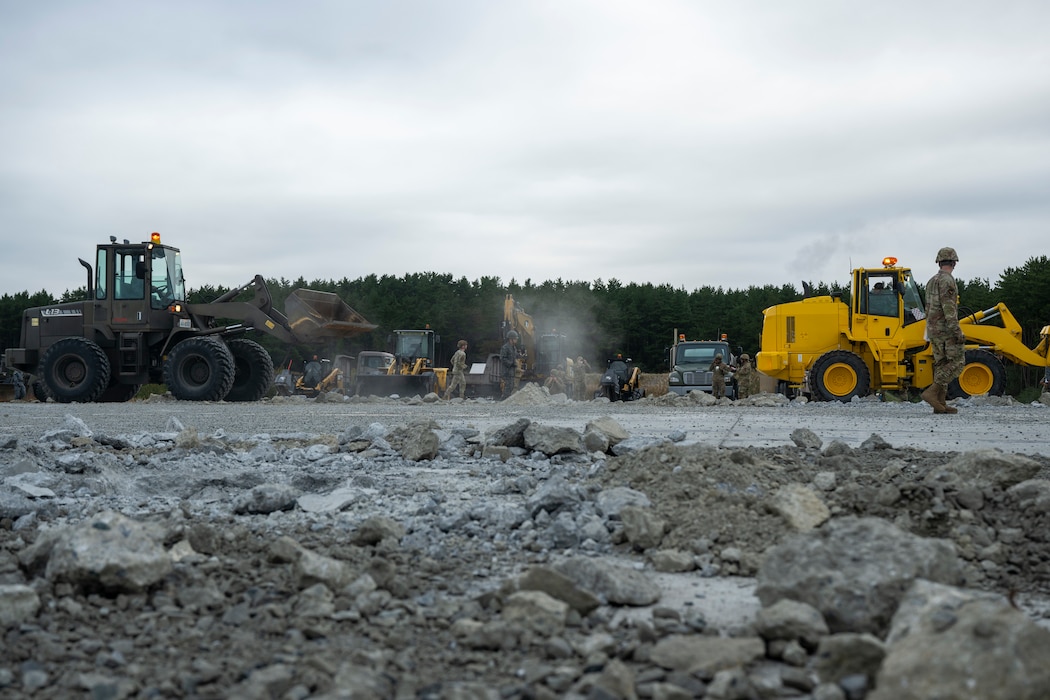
<point x="235" y="493"/>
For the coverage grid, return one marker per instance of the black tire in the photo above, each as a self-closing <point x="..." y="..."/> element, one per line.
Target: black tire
<point x="40" y="391"/>
<point x="199" y="369"/>
<point x="119" y="393"/>
<point x="252" y="370"/>
<point x="983" y="373"/>
<point x="839" y="375"/>
<point x="74" y="370"/>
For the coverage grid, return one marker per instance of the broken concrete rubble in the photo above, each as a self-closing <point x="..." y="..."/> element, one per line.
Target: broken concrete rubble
<point x="501" y="565"/>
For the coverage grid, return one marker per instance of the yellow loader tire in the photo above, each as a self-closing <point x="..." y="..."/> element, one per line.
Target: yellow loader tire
<point x="983" y="373"/>
<point x="839" y="375"/>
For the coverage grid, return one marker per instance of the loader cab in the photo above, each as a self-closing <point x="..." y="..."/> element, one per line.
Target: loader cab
<point x="412" y="345"/>
<point x="135" y="278"/>
<point x="888" y="297"/>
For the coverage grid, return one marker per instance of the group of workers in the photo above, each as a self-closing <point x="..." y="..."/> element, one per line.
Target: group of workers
<point x="568" y="375"/>
<point x="747" y="377"/>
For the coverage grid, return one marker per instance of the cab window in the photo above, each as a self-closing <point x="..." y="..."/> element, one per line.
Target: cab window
<point x="129" y="272"/>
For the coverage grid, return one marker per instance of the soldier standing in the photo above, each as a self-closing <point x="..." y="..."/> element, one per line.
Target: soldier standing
<point x="579" y="378"/>
<point x="20" y="385"/>
<point x="312" y="373"/>
<point x="508" y="362"/>
<point x="743" y="377"/>
<point x="943" y="331"/>
<point x="718" y="377"/>
<point x="459" y="371"/>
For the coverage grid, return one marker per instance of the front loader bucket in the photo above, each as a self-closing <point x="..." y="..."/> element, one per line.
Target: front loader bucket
<point x="401" y="384"/>
<point x="315" y="315"/>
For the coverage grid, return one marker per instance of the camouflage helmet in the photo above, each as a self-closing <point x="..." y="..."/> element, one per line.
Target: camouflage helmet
<point x="512" y="335"/>
<point x="947" y="253"/>
<point x="718" y="356"/>
<point x="745" y="357"/>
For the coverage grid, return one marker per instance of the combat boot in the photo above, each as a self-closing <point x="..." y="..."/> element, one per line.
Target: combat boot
<point x="942" y="394"/>
<point x="932" y="396"/>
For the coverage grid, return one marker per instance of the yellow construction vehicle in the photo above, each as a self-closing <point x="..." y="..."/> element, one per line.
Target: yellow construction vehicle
<point x="538" y="353"/>
<point x="412" y="370"/>
<point x="831" y="351"/>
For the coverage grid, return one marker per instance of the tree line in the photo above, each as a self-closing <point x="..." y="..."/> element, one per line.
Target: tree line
<point x="599" y="318"/>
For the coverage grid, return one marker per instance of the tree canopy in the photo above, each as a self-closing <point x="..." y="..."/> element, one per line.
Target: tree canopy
<point x="600" y="318"/>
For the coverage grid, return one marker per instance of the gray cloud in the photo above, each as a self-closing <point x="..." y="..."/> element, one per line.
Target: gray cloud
<point x="680" y="143"/>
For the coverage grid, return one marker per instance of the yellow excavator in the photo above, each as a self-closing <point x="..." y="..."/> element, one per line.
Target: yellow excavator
<point x="538" y="353"/>
<point x="829" y="350"/>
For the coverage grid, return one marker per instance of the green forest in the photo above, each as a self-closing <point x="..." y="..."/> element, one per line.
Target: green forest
<point x="599" y="318"/>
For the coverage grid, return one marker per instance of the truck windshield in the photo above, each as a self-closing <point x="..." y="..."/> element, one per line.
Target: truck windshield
<point x="699" y="354"/>
<point x="167" y="283"/>
<point x="913" y="308"/>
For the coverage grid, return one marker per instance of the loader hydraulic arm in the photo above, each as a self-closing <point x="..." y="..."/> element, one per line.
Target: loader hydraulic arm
<point x="309" y="315"/>
<point x="257" y="314"/>
<point x="1005" y="340"/>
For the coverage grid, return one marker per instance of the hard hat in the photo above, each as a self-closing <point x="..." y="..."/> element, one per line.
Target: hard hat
<point x="947" y="253"/>
<point x="745" y="357"/>
<point x="512" y="335"/>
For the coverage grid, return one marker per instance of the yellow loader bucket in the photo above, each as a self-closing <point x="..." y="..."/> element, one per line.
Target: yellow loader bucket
<point x="317" y="315"/>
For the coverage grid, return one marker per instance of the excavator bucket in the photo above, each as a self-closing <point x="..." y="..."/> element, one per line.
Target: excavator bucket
<point x="315" y="315"/>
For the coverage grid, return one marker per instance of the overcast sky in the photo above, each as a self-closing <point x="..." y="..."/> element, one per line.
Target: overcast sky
<point x="686" y="142"/>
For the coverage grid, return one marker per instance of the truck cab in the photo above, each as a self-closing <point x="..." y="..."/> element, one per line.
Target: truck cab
<point x="690" y="362"/>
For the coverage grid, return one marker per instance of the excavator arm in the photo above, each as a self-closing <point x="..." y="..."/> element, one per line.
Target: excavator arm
<point x="515" y="319"/>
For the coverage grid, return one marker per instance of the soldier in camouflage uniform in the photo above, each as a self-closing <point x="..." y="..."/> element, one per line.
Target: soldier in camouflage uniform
<point x="942" y="329"/>
<point x="579" y="378"/>
<point x="744" y="374"/>
<point x="718" y="377"/>
<point x="508" y="363"/>
<point x="459" y="371"/>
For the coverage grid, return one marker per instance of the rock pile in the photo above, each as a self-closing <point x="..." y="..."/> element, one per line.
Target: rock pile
<point x="442" y="562"/>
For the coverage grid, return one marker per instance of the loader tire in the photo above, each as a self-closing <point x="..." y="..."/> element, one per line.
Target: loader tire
<point x="983" y="373"/>
<point x="74" y="370"/>
<point x="200" y="368"/>
<point x="252" y="370"/>
<point x="839" y="375"/>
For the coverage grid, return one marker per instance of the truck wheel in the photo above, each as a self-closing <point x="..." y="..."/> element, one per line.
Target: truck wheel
<point x="252" y="370"/>
<point x="199" y="369"/>
<point x="840" y="375"/>
<point x="983" y="373"/>
<point x="74" y="369"/>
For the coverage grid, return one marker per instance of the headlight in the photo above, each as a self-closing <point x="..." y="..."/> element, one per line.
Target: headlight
<point x="673" y="378"/>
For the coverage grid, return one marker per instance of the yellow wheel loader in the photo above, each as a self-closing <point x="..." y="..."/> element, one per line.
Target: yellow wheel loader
<point x="829" y="350"/>
<point x="412" y="369"/>
<point x="136" y="327"/>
